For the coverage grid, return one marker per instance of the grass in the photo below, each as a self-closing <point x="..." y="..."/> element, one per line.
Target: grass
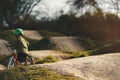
<point x="98" y="51"/>
<point x="32" y="73"/>
<point x="93" y="43"/>
<point x="47" y="59"/>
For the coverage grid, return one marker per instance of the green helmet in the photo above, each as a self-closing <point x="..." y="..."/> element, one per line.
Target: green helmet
<point x="18" y="31"/>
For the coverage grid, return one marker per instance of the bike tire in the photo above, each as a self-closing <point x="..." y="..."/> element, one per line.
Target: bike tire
<point x="11" y="63"/>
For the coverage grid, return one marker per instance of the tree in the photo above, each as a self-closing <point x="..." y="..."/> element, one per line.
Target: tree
<point x="116" y="4"/>
<point x="80" y="4"/>
<point x="11" y="10"/>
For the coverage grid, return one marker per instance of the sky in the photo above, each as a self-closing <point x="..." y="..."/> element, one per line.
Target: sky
<point x="51" y="8"/>
<point x="54" y="8"/>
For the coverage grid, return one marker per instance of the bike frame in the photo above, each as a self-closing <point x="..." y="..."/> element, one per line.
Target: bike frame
<point x="15" y="58"/>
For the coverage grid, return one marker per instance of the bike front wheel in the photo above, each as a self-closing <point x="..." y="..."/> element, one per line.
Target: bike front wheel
<point x="30" y="60"/>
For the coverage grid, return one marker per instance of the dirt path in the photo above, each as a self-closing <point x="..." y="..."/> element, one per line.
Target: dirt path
<point x="45" y="53"/>
<point x="103" y="67"/>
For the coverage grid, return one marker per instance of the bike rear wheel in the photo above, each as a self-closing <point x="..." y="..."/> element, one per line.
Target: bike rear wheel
<point x="11" y="63"/>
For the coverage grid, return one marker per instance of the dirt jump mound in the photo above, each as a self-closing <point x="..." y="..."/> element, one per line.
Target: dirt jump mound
<point x="103" y="67"/>
<point x="31" y="34"/>
<point x="4" y="50"/>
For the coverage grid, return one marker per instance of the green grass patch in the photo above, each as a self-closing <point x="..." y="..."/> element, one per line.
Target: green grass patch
<point x="97" y="51"/>
<point x="90" y="44"/>
<point x="32" y="73"/>
<point x="47" y="59"/>
<point x="79" y="54"/>
<point x="94" y="43"/>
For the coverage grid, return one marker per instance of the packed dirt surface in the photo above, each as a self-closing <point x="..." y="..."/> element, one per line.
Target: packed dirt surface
<point x="4" y="50"/>
<point x="103" y="67"/>
<point x="31" y="34"/>
<point x="44" y="53"/>
<point x="67" y="43"/>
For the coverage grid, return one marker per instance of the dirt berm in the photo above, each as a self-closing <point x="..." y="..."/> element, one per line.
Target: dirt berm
<point x="31" y="34"/>
<point x="103" y="67"/>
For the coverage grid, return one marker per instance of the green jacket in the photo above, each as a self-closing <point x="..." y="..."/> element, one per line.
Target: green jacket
<point x="21" y="45"/>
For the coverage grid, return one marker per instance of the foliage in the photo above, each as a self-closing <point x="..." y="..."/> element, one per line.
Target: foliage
<point x="97" y="26"/>
<point x="11" y="10"/>
<point x="32" y="73"/>
<point x="82" y="3"/>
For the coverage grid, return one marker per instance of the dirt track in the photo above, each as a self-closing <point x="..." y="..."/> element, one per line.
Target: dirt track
<point x="64" y="43"/>
<point x="104" y="67"/>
